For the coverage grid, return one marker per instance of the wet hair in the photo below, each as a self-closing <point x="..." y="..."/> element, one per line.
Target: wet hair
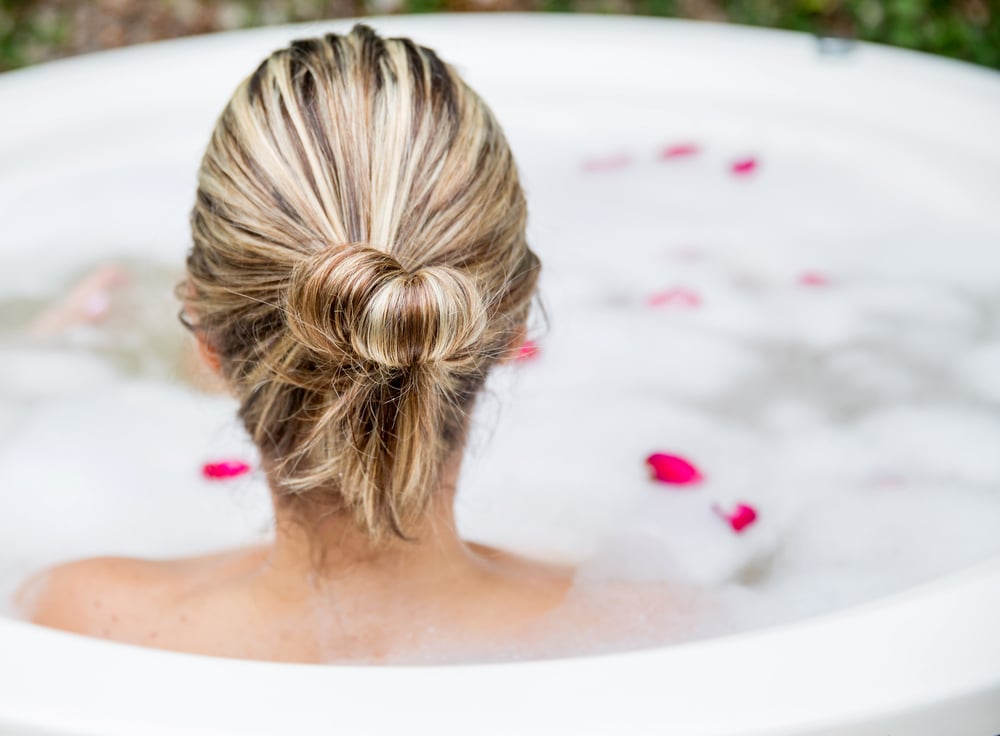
<point x="359" y="264"/>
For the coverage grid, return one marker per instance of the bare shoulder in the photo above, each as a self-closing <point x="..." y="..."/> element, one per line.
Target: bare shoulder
<point x="72" y="596"/>
<point x="93" y="596"/>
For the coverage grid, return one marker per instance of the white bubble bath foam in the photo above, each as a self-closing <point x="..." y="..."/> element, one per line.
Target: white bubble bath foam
<point x="775" y="258"/>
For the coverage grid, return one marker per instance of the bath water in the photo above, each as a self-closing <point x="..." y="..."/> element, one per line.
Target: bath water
<point x="833" y="360"/>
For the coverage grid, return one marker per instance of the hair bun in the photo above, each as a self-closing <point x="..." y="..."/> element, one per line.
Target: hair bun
<point x="357" y="302"/>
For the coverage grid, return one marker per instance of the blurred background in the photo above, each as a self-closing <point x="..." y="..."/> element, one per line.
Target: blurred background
<point x="33" y="31"/>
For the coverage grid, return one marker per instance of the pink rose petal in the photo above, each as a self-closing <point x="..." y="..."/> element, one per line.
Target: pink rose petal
<point x="676" y="297"/>
<point x="680" y="150"/>
<point x="741" y="516"/>
<point x="672" y="469"/>
<point x="528" y="350"/>
<point x="224" y="469"/>
<point x="888" y="480"/>
<point x="688" y="253"/>
<point x="813" y="278"/>
<point x="744" y="166"/>
<point x="607" y="163"/>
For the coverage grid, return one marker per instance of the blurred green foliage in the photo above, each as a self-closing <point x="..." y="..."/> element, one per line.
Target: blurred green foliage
<point x="19" y="30"/>
<point x="964" y="30"/>
<point x="33" y="30"/>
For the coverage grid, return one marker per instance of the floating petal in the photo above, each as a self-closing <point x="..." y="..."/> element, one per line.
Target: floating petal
<point x="528" y="350"/>
<point x="888" y="480"/>
<point x="680" y="150"/>
<point x="607" y="163"/>
<point x="672" y="469"/>
<point x="677" y="297"/>
<point x="741" y="516"/>
<point x="814" y="278"/>
<point x="688" y="253"/>
<point x="224" y="469"/>
<point x="744" y="166"/>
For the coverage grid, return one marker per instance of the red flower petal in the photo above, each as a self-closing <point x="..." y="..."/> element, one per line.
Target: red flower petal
<point x="672" y="469"/>
<point x="742" y="516"/>
<point x="744" y="166"/>
<point x="528" y="350"/>
<point x="607" y="163"/>
<point x="224" y="469"/>
<point x="677" y="297"/>
<point x="888" y="480"/>
<point x="679" y="150"/>
<point x="688" y="253"/>
<point x="813" y="278"/>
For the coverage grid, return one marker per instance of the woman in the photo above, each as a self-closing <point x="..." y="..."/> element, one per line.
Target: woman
<point x="359" y="265"/>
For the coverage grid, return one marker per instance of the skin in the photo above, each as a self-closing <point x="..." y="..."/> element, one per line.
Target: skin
<point x="86" y="302"/>
<point x="437" y="599"/>
<point x="271" y="603"/>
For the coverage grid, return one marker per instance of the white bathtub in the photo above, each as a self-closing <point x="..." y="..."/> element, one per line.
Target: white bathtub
<point x="923" y="662"/>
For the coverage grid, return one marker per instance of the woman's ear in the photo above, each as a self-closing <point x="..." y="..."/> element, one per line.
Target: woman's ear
<point x="208" y="354"/>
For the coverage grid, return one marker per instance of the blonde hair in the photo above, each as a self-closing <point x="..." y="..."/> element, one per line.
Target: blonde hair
<point x="359" y="264"/>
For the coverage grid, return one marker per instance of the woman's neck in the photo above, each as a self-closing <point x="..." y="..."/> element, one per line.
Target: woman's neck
<point x="334" y="550"/>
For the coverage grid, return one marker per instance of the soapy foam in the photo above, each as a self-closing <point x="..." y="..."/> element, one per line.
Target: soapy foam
<point x="859" y="416"/>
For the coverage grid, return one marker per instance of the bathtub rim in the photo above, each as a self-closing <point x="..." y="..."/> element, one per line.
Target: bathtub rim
<point x="100" y="692"/>
<point x="90" y="698"/>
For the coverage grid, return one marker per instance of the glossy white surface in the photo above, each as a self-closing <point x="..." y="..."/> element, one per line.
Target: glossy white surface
<point x="923" y="662"/>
